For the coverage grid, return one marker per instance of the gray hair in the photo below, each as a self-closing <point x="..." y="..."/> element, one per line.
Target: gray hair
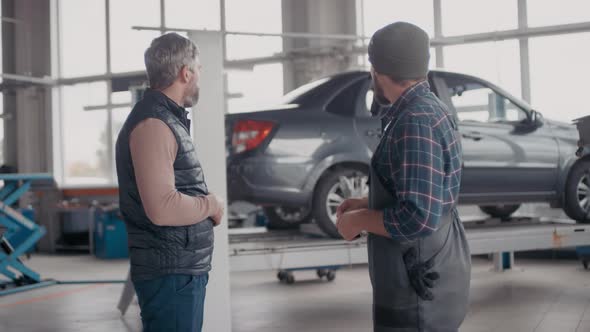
<point x="165" y="58"/>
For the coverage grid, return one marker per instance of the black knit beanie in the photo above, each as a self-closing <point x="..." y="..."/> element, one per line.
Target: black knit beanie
<point x="400" y="50"/>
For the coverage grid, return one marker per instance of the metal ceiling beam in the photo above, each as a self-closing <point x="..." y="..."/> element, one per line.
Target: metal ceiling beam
<point x="440" y="41"/>
<point x="28" y="79"/>
<point x="513" y="34"/>
<point x="68" y="81"/>
<point x="11" y="20"/>
<point x="302" y="35"/>
<point x="292" y="55"/>
<point x="107" y="106"/>
<point x="96" y="78"/>
<point x="436" y="42"/>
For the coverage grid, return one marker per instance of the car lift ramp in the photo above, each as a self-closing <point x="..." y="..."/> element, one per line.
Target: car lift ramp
<point x="259" y="250"/>
<point x="18" y="234"/>
<point x="256" y="249"/>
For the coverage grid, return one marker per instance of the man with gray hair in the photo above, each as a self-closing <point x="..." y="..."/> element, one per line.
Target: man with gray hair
<point x="164" y="200"/>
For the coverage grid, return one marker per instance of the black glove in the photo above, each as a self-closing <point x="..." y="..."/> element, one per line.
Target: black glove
<point x="421" y="278"/>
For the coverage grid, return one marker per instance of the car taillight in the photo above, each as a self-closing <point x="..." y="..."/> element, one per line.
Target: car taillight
<point x="249" y="134"/>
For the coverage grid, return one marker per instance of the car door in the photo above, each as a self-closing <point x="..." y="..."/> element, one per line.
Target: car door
<point x="368" y="127"/>
<point x="506" y="156"/>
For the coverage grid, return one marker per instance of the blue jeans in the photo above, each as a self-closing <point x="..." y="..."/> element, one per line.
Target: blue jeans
<point x="172" y="303"/>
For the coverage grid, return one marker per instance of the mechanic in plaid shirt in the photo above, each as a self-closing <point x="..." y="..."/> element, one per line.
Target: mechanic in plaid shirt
<point x="420" y="159"/>
<point x="419" y="259"/>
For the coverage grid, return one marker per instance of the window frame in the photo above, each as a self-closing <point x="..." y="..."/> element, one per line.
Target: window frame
<point x="359" y="99"/>
<point x="520" y="105"/>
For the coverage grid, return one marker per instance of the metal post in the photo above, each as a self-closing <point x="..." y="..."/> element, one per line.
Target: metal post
<point x="525" y="72"/>
<point x="361" y="31"/>
<point x="162" y="16"/>
<point x="440" y="59"/>
<point x="58" y="162"/>
<point x="107" y="5"/>
<point x="223" y="26"/>
<point x="109" y="129"/>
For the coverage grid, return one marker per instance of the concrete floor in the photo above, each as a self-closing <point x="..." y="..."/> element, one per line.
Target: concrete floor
<point x="541" y="295"/>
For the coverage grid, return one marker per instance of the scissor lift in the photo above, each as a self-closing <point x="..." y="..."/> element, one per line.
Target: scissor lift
<point x="289" y="252"/>
<point x="18" y="236"/>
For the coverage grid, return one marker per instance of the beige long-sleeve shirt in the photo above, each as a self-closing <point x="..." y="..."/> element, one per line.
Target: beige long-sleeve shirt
<point x="153" y="151"/>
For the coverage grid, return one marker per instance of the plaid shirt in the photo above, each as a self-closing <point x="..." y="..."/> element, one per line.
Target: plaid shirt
<point x="419" y="161"/>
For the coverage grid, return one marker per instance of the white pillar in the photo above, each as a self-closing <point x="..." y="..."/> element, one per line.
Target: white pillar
<point x="209" y="134"/>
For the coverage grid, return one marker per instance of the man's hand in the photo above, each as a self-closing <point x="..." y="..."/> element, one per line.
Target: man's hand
<point x="218" y="211"/>
<point x="352" y="204"/>
<point x="349" y="224"/>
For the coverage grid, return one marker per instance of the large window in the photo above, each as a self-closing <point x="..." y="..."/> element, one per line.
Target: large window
<point x="119" y="115"/>
<point x="379" y="13"/>
<point x="559" y="75"/>
<point x="498" y="62"/>
<point x="128" y="45"/>
<point x="82" y="53"/>
<point x="191" y="14"/>
<point x="85" y="141"/>
<point x="462" y="17"/>
<point x="543" y="13"/>
<point x="268" y="20"/>
<point x="557" y="63"/>
<point x="267" y="87"/>
<point x="268" y="77"/>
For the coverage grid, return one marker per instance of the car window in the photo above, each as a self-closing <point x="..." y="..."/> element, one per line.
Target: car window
<point x="369" y="101"/>
<point x="476" y="102"/>
<point x="292" y="96"/>
<point x="345" y="103"/>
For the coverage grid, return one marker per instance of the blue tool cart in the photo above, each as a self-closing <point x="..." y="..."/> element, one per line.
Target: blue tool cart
<point x="20" y="234"/>
<point x="110" y="234"/>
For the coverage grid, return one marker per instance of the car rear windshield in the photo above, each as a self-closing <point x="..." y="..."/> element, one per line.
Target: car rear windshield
<point x="293" y="96"/>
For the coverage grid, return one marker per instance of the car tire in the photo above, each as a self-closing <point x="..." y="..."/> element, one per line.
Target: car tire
<point x="577" y="192"/>
<point x="320" y="212"/>
<point x="278" y="221"/>
<point x="500" y="211"/>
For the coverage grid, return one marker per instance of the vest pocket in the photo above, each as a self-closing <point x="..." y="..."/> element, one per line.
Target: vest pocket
<point x="199" y="236"/>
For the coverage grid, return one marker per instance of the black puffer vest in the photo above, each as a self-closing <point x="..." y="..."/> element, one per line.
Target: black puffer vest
<point x="158" y="250"/>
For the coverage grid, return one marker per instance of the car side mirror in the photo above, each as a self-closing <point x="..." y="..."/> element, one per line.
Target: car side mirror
<point x="537" y="119"/>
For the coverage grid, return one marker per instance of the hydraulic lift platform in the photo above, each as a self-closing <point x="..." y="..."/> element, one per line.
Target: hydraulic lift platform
<point x="284" y="251"/>
<point x="256" y="249"/>
<point x="18" y="235"/>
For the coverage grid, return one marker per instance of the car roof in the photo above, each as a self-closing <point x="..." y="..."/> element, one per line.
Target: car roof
<point x="447" y="73"/>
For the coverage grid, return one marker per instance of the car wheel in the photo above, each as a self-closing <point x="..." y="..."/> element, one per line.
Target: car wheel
<point x="280" y="217"/>
<point x="499" y="211"/>
<point x="577" y="192"/>
<point x="331" y="191"/>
